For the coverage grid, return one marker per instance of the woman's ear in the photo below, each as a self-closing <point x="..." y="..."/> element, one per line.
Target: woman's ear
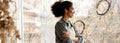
<point x="66" y="11"/>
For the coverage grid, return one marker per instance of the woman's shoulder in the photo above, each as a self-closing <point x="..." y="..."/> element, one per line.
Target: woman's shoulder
<point x="60" y="23"/>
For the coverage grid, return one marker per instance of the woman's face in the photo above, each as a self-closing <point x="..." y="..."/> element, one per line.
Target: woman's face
<point x="70" y="12"/>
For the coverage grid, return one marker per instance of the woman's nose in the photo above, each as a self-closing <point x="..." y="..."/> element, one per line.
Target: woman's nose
<point x="73" y="11"/>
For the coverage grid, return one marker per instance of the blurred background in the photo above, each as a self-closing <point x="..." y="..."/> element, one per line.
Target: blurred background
<point x="101" y="19"/>
<point x="36" y="22"/>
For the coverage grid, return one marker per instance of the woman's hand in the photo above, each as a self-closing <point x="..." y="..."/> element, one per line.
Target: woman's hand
<point x="66" y="35"/>
<point x="75" y="39"/>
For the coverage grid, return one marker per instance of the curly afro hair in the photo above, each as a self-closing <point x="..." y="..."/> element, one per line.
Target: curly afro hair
<point x="59" y="7"/>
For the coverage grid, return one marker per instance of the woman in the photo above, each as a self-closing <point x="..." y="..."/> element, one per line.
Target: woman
<point x="65" y="32"/>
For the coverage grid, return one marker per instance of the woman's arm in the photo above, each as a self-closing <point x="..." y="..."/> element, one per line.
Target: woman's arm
<point x="61" y="31"/>
<point x="66" y="35"/>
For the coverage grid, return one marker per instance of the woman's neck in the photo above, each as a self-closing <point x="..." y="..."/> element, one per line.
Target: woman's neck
<point x="65" y="18"/>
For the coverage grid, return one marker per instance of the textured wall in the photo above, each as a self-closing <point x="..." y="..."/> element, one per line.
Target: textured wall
<point x="102" y="28"/>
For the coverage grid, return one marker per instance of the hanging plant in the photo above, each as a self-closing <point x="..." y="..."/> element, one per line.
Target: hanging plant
<point x="7" y="26"/>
